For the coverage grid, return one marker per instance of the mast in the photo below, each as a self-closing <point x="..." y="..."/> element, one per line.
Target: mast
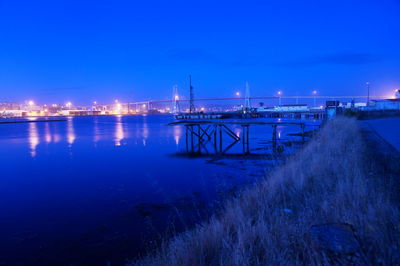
<point x="247" y="104"/>
<point x="192" y="108"/>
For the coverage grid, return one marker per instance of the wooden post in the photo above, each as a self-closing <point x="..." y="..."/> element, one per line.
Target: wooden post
<point x="199" y="138"/>
<point x="247" y="140"/>
<point x="187" y="140"/>
<point x="215" y="138"/>
<point x="244" y="139"/>
<point x="274" y="137"/>
<point x="191" y="138"/>
<point x="220" y="139"/>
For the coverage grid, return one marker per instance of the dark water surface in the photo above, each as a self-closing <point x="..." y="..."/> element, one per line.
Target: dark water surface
<point x="90" y="190"/>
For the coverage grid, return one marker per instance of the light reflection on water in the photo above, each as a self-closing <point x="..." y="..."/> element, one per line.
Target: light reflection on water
<point x="145" y="130"/>
<point x="119" y="131"/>
<point x="177" y="135"/>
<point x="70" y="131"/>
<point x="33" y="138"/>
<point x="237" y="132"/>
<point x="48" y="137"/>
<point x="96" y="130"/>
<point x="118" y="161"/>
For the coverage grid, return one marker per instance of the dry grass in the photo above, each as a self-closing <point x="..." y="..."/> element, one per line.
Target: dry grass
<point x="332" y="180"/>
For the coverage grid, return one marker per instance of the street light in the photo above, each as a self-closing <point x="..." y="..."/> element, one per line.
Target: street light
<point x="397" y="94"/>
<point x="314" y="92"/>
<point x="280" y="97"/>
<point x="237" y="93"/>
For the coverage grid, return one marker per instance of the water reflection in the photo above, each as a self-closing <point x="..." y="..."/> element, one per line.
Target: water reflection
<point x="56" y="138"/>
<point x="47" y="133"/>
<point x="177" y="134"/>
<point x="237" y="132"/>
<point x="70" y="131"/>
<point x="145" y="130"/>
<point x="96" y="135"/>
<point x="33" y="138"/>
<point x="119" y="131"/>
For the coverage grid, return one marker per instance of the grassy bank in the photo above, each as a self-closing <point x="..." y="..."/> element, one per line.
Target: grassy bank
<point x="334" y="179"/>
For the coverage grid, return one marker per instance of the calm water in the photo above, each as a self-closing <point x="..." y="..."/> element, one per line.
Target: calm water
<point x="90" y="190"/>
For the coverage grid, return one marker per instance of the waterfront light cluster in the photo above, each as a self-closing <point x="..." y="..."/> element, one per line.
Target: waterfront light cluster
<point x="31" y="109"/>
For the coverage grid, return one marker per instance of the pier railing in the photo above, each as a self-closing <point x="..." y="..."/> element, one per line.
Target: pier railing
<point x="199" y="133"/>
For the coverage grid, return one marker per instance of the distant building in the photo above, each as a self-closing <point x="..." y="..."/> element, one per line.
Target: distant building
<point x="332" y="103"/>
<point x="5" y="106"/>
<point x="386" y="104"/>
<point x="353" y="105"/>
<point x="78" y="112"/>
<point x="12" y="113"/>
<point x="285" y="108"/>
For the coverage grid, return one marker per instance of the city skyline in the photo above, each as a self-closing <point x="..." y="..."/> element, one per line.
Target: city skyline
<point x="84" y="52"/>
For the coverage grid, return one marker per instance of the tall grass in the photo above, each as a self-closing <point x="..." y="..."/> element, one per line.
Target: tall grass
<point x="331" y="180"/>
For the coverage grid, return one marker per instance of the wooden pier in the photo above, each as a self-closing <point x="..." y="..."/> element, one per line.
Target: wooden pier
<point x="200" y="133"/>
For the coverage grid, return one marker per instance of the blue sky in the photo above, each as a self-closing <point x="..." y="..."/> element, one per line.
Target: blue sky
<point x="80" y="51"/>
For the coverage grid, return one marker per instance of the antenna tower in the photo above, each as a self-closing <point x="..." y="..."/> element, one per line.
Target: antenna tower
<point x="192" y="108"/>
<point x="247" y="104"/>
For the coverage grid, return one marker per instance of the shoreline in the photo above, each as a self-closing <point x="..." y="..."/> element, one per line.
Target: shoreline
<point x="345" y="187"/>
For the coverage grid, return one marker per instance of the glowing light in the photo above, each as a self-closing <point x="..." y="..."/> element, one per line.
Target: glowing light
<point x="237" y="93"/>
<point x="237" y="132"/>
<point x="33" y="138"/>
<point x="314" y="92"/>
<point x="279" y="92"/>
<point x="68" y="104"/>
<point x="202" y="108"/>
<point x="94" y="102"/>
<point x="176" y="97"/>
<point x="116" y="101"/>
<point x="70" y="131"/>
<point x="119" y="131"/>
<point x="177" y="135"/>
<point x="145" y="132"/>
<point x="54" y="105"/>
<point x="47" y="133"/>
<point x="144" y="105"/>
<point x="31" y="103"/>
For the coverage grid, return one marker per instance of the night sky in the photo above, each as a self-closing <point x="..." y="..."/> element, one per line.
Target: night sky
<point x="81" y="51"/>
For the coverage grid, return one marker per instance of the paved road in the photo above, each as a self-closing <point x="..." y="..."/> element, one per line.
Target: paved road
<point x="388" y="129"/>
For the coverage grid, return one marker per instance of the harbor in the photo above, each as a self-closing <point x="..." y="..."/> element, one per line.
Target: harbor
<point x="199" y="133"/>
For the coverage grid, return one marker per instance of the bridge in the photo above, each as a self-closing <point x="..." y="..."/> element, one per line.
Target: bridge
<point x="149" y="104"/>
<point x="256" y="98"/>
